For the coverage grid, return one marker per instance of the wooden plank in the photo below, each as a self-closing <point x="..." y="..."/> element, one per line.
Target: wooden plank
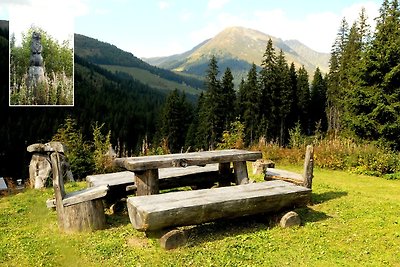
<point x="186" y="159"/>
<point x="110" y="179"/>
<point x="284" y="175"/>
<point x="80" y="196"/>
<point x="179" y="171"/>
<point x="199" y="206"/>
<point x="85" y="195"/>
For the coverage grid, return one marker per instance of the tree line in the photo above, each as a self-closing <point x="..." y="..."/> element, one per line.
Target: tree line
<point x="358" y="97"/>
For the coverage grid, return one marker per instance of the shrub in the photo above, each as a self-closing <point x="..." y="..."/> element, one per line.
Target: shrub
<point x="233" y="138"/>
<point x="340" y="154"/>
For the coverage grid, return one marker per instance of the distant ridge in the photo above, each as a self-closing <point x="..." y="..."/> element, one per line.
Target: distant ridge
<point x="113" y="59"/>
<point x="241" y="46"/>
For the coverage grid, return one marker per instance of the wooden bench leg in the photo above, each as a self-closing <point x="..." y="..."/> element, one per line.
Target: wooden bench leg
<point x="85" y="216"/>
<point x="147" y="182"/>
<point x="224" y="172"/>
<point x="241" y="175"/>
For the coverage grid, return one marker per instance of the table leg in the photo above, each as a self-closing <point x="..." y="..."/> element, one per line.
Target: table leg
<point x="241" y="175"/>
<point x="224" y="172"/>
<point x="147" y="182"/>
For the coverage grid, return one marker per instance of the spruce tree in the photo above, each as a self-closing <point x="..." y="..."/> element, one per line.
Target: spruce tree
<point x="175" y="121"/>
<point x="228" y="98"/>
<point x="303" y="92"/>
<point x="377" y="113"/>
<point x="335" y="92"/>
<point x="249" y="96"/>
<point x="268" y="79"/>
<point x="294" y="111"/>
<point x="283" y="98"/>
<point x="318" y="101"/>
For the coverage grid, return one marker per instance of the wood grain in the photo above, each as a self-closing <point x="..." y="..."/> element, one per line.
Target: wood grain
<point x="190" y="159"/>
<point x="199" y="206"/>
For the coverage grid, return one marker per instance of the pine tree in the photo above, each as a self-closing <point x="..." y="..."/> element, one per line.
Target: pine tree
<point x="318" y="101"/>
<point x="268" y="78"/>
<point x="175" y="121"/>
<point x="377" y="112"/>
<point x="294" y="111"/>
<point x="303" y="92"/>
<point x="228" y="98"/>
<point x="334" y="91"/>
<point x="283" y="97"/>
<point x="249" y="95"/>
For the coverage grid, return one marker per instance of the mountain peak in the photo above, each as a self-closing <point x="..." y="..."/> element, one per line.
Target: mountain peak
<point x="242" y="46"/>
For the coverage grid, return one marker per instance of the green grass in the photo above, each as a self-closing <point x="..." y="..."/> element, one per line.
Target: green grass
<point x="152" y="80"/>
<point x="354" y="221"/>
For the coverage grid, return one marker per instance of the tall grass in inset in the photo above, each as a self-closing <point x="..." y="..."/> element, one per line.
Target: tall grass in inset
<point x="56" y="89"/>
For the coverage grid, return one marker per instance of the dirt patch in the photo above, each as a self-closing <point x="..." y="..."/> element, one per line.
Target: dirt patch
<point x="137" y="242"/>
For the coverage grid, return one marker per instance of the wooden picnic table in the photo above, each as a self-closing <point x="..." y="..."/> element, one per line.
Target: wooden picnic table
<point x="146" y="168"/>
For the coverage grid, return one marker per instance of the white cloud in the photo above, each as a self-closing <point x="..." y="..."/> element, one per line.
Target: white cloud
<point x="317" y="30"/>
<point x="163" y="5"/>
<point x="352" y="13"/>
<point x="217" y="4"/>
<point x="56" y="17"/>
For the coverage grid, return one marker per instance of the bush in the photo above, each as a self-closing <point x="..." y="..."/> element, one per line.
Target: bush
<point x="340" y="154"/>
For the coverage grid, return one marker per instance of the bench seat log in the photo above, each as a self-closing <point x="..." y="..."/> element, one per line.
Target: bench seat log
<point x="304" y="179"/>
<point x="272" y="174"/>
<point x="80" y="196"/>
<point x="123" y="182"/>
<point x="155" y="212"/>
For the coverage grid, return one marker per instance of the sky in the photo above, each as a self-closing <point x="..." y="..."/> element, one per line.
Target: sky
<point x="165" y="27"/>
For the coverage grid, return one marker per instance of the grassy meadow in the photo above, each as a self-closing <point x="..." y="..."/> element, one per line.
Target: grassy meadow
<point x="354" y="220"/>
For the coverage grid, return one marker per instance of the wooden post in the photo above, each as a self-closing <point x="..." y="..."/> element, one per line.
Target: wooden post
<point x="224" y="172"/>
<point x="241" y="175"/>
<point x="308" y="167"/>
<point x="147" y="182"/>
<point x="58" y="185"/>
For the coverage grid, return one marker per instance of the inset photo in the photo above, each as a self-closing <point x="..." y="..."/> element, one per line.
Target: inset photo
<point x="41" y="58"/>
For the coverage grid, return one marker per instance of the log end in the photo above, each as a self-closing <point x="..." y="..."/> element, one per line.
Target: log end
<point x="173" y="239"/>
<point x="290" y="219"/>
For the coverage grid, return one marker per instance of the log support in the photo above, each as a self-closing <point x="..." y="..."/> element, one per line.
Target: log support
<point x="147" y="182"/>
<point x="241" y="175"/>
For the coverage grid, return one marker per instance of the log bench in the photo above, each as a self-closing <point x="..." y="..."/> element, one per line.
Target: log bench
<point x="153" y="212"/>
<point x="122" y="184"/>
<point x="199" y="176"/>
<point x="304" y="179"/>
<point x="80" y="210"/>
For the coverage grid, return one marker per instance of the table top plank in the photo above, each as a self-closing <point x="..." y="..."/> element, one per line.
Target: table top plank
<point x="186" y="159"/>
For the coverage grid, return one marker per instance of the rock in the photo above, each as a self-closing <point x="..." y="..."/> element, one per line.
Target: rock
<point x="173" y="239"/>
<point x="290" y="219"/>
<point x="39" y="170"/>
<point x="48" y="147"/>
<point x="40" y="166"/>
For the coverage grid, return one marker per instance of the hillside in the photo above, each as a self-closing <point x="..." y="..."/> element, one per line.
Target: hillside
<point x="116" y="60"/>
<point x="238" y="48"/>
